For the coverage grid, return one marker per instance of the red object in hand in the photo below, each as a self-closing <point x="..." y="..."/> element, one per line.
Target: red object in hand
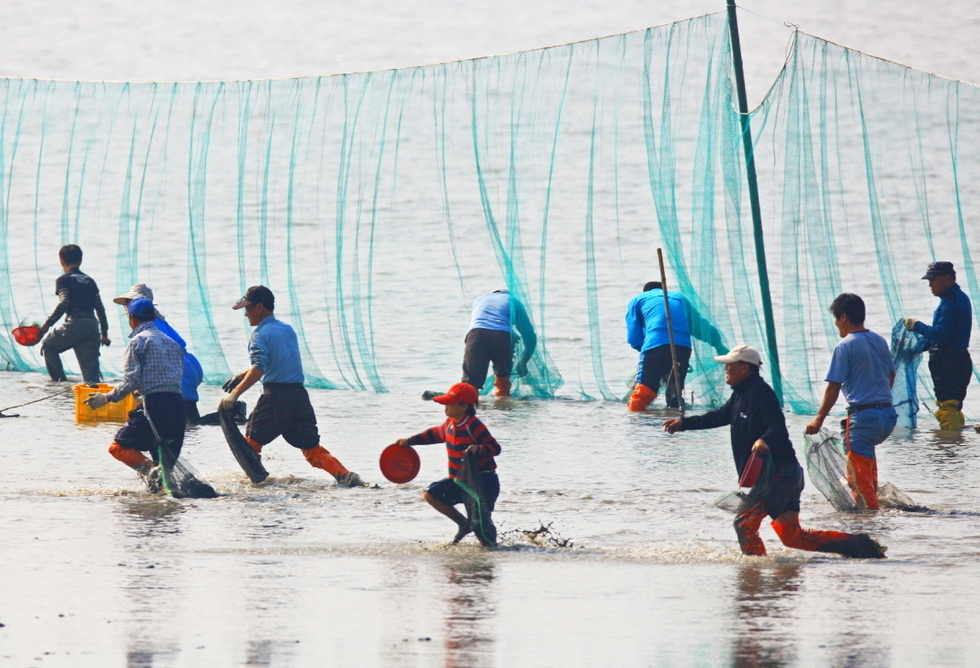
<point x="399" y="464"/>
<point x="27" y="335"/>
<point x="751" y="472"/>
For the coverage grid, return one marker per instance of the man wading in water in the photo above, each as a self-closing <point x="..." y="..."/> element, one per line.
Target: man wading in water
<point x="758" y="426"/>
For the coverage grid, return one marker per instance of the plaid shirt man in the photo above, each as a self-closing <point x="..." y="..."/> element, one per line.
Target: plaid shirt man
<point x="153" y="362"/>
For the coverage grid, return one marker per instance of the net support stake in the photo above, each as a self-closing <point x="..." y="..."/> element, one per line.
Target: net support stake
<point x="674" y="367"/>
<point x="750" y="175"/>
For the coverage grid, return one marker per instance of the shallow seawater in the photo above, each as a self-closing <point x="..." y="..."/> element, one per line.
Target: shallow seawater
<point x="299" y="572"/>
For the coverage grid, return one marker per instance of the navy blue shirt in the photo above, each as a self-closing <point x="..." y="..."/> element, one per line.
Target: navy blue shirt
<point x="952" y="321"/>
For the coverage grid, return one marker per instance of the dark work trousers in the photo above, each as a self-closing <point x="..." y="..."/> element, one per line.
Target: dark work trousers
<point x="656" y="369"/>
<point x="951" y="369"/>
<point x="81" y="334"/>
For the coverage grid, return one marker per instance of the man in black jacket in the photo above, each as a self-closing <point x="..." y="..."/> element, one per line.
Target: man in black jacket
<point x="80" y="303"/>
<point x="758" y="426"/>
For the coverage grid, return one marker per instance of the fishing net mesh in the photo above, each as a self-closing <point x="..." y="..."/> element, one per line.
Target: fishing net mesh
<point x="826" y="466"/>
<point x="378" y="205"/>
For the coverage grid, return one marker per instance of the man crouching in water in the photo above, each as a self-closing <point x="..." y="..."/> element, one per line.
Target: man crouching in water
<point x="758" y="426"/>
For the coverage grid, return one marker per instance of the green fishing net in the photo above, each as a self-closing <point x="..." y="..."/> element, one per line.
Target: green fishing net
<point x="378" y="205"/>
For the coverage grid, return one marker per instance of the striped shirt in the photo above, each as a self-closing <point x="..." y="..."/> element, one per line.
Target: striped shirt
<point x="153" y="362"/>
<point x="457" y="438"/>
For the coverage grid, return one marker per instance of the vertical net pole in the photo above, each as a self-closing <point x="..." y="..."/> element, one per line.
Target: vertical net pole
<point x="675" y="369"/>
<point x="760" y="248"/>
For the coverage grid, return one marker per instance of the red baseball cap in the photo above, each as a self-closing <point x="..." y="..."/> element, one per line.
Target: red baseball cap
<point x="459" y="392"/>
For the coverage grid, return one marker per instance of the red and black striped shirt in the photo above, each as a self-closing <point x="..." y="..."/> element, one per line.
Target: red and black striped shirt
<point x="458" y="437"/>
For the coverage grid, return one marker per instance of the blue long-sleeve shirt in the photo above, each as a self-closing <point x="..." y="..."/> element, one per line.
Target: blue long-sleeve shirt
<point x="952" y="321"/>
<point x="274" y="350"/>
<point x="646" y="322"/>
<point x="193" y="373"/>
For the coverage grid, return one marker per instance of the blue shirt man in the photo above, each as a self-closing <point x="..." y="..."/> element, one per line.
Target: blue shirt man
<point x="862" y="367"/>
<point x="647" y="332"/>
<point x="950" y="363"/>
<point x="284" y="409"/>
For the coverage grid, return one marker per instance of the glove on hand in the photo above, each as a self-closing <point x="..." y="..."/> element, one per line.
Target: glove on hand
<point x="96" y="401"/>
<point x="232" y="383"/>
<point x="910" y="324"/>
<point x="228" y="401"/>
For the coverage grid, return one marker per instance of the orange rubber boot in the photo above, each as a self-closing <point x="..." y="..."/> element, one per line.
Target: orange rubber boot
<point x="747" y="523"/>
<point x="255" y="446"/>
<point x="862" y="476"/>
<point x="855" y="545"/>
<point x="793" y="535"/>
<point x="322" y="459"/>
<point x="642" y="397"/>
<point x="501" y="386"/>
<point x="131" y="458"/>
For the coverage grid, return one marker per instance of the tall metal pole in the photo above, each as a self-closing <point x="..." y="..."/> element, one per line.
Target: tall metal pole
<point x="760" y="246"/>
<point x="675" y="370"/>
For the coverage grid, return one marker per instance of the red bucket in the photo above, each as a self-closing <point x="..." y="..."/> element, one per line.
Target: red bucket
<point x="751" y="472"/>
<point x="398" y="464"/>
<point x="27" y="335"/>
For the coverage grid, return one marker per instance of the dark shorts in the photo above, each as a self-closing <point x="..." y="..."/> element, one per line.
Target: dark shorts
<point x="166" y="411"/>
<point x="951" y="369"/>
<point x="655" y="369"/>
<point x="484" y="346"/>
<point x="781" y="493"/>
<point x="284" y="410"/>
<point x="451" y="494"/>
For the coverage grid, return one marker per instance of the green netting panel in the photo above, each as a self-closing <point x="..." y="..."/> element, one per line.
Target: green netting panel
<point x="378" y="205"/>
<point x="906" y="348"/>
<point x="870" y="173"/>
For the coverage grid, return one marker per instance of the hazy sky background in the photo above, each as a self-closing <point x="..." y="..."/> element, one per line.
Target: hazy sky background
<point x="168" y="40"/>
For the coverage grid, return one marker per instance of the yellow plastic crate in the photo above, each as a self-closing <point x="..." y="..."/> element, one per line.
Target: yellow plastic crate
<point x="116" y="412"/>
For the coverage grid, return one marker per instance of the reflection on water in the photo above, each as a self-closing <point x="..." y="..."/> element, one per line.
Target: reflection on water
<point x="149" y="581"/>
<point x="860" y="650"/>
<point x="461" y="615"/>
<point x="765" y="603"/>
<point x="470" y="604"/>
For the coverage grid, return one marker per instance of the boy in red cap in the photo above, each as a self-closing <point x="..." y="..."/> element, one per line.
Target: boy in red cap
<point x="463" y="433"/>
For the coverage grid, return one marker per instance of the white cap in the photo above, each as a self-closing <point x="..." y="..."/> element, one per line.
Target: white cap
<point x="741" y="354"/>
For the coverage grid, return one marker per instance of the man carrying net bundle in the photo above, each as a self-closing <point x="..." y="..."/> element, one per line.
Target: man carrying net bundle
<point x="647" y="332"/>
<point x="758" y="426"/>
<point x="861" y="366"/>
<point x="284" y="408"/>
<point x="950" y="363"/>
